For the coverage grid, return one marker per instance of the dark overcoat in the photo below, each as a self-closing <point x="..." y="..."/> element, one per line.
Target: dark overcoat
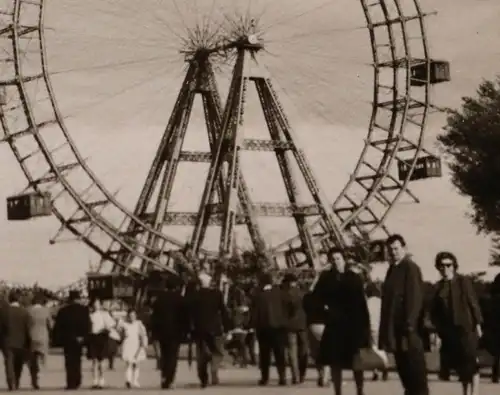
<point x="402" y="307"/>
<point x="347" y="322"/>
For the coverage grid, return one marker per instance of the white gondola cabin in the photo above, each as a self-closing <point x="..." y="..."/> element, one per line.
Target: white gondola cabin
<point x="110" y="286"/>
<point x="29" y="205"/>
<point x="439" y="72"/>
<point x="425" y="167"/>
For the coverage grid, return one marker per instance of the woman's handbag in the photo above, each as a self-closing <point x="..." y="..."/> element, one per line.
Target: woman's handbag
<point x="370" y="359"/>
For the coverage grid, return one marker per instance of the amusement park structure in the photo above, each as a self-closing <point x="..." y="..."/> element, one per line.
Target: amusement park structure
<point x="393" y="155"/>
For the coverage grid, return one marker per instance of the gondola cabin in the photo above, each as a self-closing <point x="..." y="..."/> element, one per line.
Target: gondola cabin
<point x="29" y="205"/>
<point x="110" y="286"/>
<point x="425" y="167"/>
<point x="439" y="72"/>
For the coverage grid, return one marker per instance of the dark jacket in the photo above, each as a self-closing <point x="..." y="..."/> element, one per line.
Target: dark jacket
<point x="72" y="322"/>
<point x="207" y="312"/>
<point x="402" y="309"/>
<point x="347" y="320"/>
<point x="314" y="308"/>
<point x="294" y="309"/>
<point x="455" y="305"/>
<point x="169" y="318"/>
<point x="17" y="326"/>
<point x="268" y="309"/>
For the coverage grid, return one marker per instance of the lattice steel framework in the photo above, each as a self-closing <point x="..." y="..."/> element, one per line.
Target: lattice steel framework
<point x="398" y="121"/>
<point x="395" y="134"/>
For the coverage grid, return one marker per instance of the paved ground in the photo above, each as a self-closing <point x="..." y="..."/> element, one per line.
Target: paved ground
<point x="233" y="380"/>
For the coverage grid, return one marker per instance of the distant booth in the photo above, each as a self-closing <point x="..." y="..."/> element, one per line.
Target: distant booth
<point x="29" y="205"/>
<point x="111" y="286"/>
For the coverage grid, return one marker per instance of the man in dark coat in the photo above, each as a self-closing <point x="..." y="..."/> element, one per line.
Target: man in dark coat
<point x="16" y="340"/>
<point x="209" y="320"/>
<point x="71" y="329"/>
<point x="296" y="327"/>
<point x="268" y="317"/>
<point x="402" y="310"/>
<point x="169" y="328"/>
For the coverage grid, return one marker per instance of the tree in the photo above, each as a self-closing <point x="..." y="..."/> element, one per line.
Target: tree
<point x="472" y="144"/>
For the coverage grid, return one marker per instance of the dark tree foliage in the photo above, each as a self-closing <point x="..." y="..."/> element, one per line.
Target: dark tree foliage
<point x="472" y="142"/>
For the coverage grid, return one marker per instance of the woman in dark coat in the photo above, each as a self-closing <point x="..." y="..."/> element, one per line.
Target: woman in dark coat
<point x="492" y="328"/>
<point x="347" y="327"/>
<point x="457" y="317"/>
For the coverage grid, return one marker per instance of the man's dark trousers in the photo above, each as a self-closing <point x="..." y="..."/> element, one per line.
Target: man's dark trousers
<point x="73" y="364"/>
<point x="272" y="341"/>
<point x="14" y="363"/>
<point x="411" y="366"/>
<point x="169" y="356"/>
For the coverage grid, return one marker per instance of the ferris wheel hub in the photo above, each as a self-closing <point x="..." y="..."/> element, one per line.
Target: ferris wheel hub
<point x="252" y="39"/>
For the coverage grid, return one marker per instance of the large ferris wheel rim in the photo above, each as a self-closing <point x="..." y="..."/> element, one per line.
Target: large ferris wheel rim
<point x="389" y="156"/>
<point x="20" y="81"/>
<point x="384" y="165"/>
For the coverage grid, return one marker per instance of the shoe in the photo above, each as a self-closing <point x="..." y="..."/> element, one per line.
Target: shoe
<point x="282" y="382"/>
<point x="263" y="382"/>
<point x="127" y="384"/>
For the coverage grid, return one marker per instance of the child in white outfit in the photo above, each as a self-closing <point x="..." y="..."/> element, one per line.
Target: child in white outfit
<point x="135" y="341"/>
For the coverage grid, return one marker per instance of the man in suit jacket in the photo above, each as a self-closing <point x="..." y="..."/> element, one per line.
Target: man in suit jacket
<point x="209" y="320"/>
<point x="268" y="317"/>
<point x="16" y="341"/>
<point x="71" y="330"/>
<point x="169" y="328"/>
<point x="40" y="327"/>
<point x="296" y="326"/>
<point x="402" y="309"/>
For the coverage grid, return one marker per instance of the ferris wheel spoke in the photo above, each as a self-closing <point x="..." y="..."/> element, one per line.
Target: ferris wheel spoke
<point x="37" y="130"/>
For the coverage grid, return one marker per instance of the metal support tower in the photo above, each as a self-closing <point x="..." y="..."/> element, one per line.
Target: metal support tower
<point x="199" y="80"/>
<point x="232" y="142"/>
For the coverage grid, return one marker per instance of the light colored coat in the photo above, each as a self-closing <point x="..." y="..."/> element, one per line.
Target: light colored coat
<point x="40" y="326"/>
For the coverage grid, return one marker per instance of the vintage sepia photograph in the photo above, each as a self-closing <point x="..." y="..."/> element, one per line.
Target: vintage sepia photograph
<point x="231" y="196"/>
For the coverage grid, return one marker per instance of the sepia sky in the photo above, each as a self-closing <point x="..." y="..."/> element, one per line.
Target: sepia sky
<point x="320" y="64"/>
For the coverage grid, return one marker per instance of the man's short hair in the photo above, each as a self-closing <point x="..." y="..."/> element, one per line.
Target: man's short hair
<point x="396" y="238"/>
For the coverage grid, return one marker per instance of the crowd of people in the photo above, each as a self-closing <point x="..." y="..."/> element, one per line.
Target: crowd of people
<point x="342" y="321"/>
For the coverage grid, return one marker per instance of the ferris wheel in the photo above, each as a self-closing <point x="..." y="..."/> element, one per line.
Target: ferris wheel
<point x="100" y="100"/>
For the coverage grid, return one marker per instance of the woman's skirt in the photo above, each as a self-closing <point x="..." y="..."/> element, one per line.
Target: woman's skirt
<point x="338" y="347"/>
<point x="98" y="346"/>
<point x="461" y="349"/>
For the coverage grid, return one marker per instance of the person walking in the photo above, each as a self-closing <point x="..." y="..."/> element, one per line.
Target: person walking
<point x="98" y="347"/>
<point x="169" y="326"/>
<point x="71" y="330"/>
<point x="401" y="315"/>
<point x="135" y="342"/>
<point x="268" y="318"/>
<point x="209" y="320"/>
<point x="347" y="329"/>
<point x="40" y="327"/>
<point x="296" y="326"/>
<point x="16" y="340"/>
<point x="457" y="317"/>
